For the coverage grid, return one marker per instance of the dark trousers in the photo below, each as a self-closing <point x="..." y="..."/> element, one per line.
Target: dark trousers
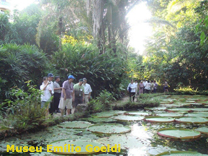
<point x="132" y="94"/>
<point x="51" y="109"/>
<point x="56" y="101"/>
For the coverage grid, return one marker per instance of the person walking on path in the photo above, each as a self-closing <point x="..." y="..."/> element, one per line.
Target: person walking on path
<point x="87" y="91"/>
<point x="131" y="89"/>
<point x="141" y="87"/>
<point x="66" y="95"/>
<point x="46" y="95"/>
<point x="78" y="95"/>
<point x="50" y="83"/>
<point x="155" y="87"/>
<point x="165" y="87"/>
<point x="57" y="93"/>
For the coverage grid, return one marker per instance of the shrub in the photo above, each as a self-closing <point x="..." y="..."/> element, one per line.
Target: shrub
<point x="101" y="103"/>
<point x="25" y="111"/>
<point x="19" y="64"/>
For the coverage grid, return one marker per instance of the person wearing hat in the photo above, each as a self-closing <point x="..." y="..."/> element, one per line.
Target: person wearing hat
<point x="50" y="84"/>
<point x="57" y="93"/>
<point x="78" y="95"/>
<point x="87" y="91"/>
<point x="66" y="95"/>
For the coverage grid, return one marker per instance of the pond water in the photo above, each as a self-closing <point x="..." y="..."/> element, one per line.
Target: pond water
<point x="139" y="137"/>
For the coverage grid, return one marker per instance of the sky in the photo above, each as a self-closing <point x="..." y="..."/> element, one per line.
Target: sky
<point x="138" y="33"/>
<point x="140" y="30"/>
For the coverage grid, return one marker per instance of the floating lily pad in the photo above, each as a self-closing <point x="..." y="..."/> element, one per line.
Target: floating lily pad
<point x="81" y="143"/>
<point x="159" y="119"/>
<point x="198" y="114"/>
<point x="188" y="109"/>
<point x="157" y="108"/>
<point x="109" y="128"/>
<point x="181" y="153"/>
<point x="190" y="101"/>
<point x="128" y="118"/>
<point x="99" y="120"/>
<point x="196" y="120"/>
<point x="169" y="114"/>
<point x="203" y="130"/>
<point x="138" y="113"/>
<point x="108" y="114"/>
<point x="179" y="133"/>
<point x="125" y="141"/>
<point x="75" y="124"/>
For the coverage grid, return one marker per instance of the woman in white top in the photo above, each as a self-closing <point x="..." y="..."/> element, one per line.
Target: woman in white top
<point x="148" y="87"/>
<point x="132" y="89"/>
<point x="46" y="95"/>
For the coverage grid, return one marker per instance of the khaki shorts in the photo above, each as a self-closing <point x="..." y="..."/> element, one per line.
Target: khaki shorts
<point x="65" y="103"/>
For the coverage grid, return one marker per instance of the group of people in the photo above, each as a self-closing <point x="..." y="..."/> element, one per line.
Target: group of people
<point x="143" y="87"/>
<point x="66" y="97"/>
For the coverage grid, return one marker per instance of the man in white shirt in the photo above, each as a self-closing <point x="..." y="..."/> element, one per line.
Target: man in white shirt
<point x="132" y="89"/>
<point x="145" y="86"/>
<point x="50" y="84"/>
<point x="87" y="91"/>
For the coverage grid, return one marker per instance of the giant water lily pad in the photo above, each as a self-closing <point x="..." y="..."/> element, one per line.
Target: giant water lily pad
<point x="169" y="114"/>
<point x="81" y="143"/>
<point x="159" y="119"/>
<point x="188" y="109"/>
<point x="109" y="128"/>
<point x="198" y="114"/>
<point x="179" y="133"/>
<point x="75" y="124"/>
<point x="128" y="118"/>
<point x="108" y="114"/>
<point x="125" y="141"/>
<point x="100" y="120"/>
<point x="138" y="113"/>
<point x="156" y="108"/>
<point x="203" y="130"/>
<point x="196" y="120"/>
<point x="181" y="153"/>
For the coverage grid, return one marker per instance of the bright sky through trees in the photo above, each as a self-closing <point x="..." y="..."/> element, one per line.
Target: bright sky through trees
<point x="140" y="30"/>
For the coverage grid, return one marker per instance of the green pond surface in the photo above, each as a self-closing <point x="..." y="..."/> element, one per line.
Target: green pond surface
<point x="135" y="136"/>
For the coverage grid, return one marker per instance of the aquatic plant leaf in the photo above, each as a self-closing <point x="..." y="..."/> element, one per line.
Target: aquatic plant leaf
<point x="75" y="124"/>
<point x="169" y="114"/>
<point x="196" y="120"/>
<point x="100" y="120"/>
<point x="179" y="133"/>
<point x="125" y="141"/>
<point x="181" y="153"/>
<point x="128" y="118"/>
<point x="203" y="130"/>
<point x="75" y="143"/>
<point x="138" y="113"/>
<point x="109" y="128"/>
<point x="159" y="119"/>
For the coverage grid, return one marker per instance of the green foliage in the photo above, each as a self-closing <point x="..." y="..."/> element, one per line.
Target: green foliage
<point x="19" y="64"/>
<point x="25" y="112"/>
<point x="102" y="71"/>
<point x="101" y="102"/>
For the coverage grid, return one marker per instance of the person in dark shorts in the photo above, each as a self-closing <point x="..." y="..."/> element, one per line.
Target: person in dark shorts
<point x="166" y="87"/>
<point x="78" y="95"/>
<point x="57" y="93"/>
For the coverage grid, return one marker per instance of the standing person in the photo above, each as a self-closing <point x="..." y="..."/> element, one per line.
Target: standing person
<point x="144" y="83"/>
<point x="46" y="95"/>
<point x="141" y="87"/>
<point x="66" y="95"/>
<point x="166" y="86"/>
<point x="147" y="87"/>
<point x="136" y="84"/>
<point x="132" y="89"/>
<point x="155" y="87"/>
<point x="57" y="93"/>
<point x="152" y="86"/>
<point x="87" y="91"/>
<point x="50" y="83"/>
<point x="78" y="95"/>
